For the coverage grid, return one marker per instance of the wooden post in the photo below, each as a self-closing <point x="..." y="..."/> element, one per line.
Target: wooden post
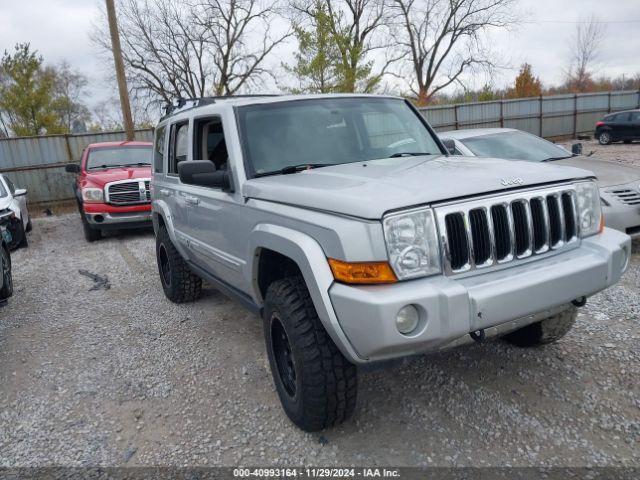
<point x="455" y="114"/>
<point x="540" y="108"/>
<point x="119" y="65"/>
<point x="575" y="115"/>
<point x="501" y="113"/>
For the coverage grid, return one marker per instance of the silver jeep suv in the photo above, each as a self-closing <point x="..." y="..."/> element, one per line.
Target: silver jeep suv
<point x="342" y="221"/>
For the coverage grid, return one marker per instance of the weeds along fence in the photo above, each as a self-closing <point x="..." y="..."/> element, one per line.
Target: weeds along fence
<point x="37" y="163"/>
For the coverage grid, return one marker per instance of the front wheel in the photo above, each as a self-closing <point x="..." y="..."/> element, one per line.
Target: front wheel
<point x="604" y="138"/>
<point x="90" y="234"/>
<point x="316" y="384"/>
<point x="179" y="283"/>
<point x="545" y="331"/>
<point x="7" y="280"/>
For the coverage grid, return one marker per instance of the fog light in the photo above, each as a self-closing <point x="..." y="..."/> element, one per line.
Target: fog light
<point x="407" y="319"/>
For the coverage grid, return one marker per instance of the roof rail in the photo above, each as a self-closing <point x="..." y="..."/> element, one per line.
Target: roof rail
<point x="180" y="102"/>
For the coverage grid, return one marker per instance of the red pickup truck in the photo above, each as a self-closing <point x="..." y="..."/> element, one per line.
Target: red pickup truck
<point x="112" y="186"/>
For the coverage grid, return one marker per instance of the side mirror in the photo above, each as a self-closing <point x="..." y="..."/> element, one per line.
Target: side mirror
<point x="204" y="174"/>
<point x="20" y="192"/>
<point x="450" y="145"/>
<point x="72" y="168"/>
<point x="576" y="148"/>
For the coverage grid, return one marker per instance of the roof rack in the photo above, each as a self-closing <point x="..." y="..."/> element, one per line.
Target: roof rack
<point x="180" y="102"/>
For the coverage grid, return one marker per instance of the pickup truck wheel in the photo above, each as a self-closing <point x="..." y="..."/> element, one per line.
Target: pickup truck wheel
<point x="545" y="331"/>
<point x="316" y="384"/>
<point x="179" y="283"/>
<point x="7" y="281"/>
<point x="90" y="234"/>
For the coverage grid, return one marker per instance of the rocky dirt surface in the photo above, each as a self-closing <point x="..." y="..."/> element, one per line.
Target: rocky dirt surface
<point x="121" y="376"/>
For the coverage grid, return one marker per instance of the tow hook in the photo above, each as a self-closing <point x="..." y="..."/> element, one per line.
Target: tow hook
<point x="580" y="302"/>
<point x="478" y="335"/>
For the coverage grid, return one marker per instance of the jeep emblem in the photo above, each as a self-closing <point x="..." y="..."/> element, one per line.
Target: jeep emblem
<point x="507" y="182"/>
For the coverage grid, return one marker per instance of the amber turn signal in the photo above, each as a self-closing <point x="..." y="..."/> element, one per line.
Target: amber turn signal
<point x="362" y="272"/>
<point x="601" y="223"/>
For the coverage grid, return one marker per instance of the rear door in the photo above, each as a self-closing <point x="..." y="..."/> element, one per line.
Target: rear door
<point x="620" y="126"/>
<point x="634" y="130"/>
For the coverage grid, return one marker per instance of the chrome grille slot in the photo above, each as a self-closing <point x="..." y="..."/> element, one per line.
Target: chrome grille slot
<point x="501" y="231"/>
<point x="458" y="246"/>
<point x="520" y="228"/>
<point x="488" y="232"/>
<point x="480" y="235"/>
<point x="128" y="192"/>
<point x="568" y="209"/>
<point x="540" y="225"/>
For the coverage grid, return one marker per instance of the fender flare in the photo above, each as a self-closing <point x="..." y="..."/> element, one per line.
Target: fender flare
<point x="160" y="208"/>
<point x="308" y="255"/>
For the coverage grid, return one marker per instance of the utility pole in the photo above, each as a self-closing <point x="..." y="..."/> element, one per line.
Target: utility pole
<point x="122" y="79"/>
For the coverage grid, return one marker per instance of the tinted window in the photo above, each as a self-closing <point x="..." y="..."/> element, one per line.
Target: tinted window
<point x="329" y="131"/>
<point x="158" y="153"/>
<point x="514" y="145"/>
<point x="635" y="117"/>
<point x="110" y="157"/>
<point x="210" y="143"/>
<point x="179" y="145"/>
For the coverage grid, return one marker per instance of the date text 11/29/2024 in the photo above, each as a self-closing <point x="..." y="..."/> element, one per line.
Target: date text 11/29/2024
<point x="361" y="472"/>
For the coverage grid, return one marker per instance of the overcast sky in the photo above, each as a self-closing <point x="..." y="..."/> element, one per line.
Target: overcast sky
<point x="59" y="30"/>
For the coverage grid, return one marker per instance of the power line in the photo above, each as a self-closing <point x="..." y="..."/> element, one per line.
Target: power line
<point x="582" y="21"/>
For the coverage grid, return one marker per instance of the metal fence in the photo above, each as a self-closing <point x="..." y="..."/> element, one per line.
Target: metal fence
<point x="37" y="163"/>
<point x="550" y="117"/>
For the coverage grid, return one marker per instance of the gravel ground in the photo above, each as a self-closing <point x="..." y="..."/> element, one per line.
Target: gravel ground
<point x="124" y="377"/>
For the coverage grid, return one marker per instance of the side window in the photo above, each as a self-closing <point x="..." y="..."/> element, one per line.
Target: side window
<point x="209" y="142"/>
<point x="179" y="145"/>
<point x="622" y="118"/>
<point x="635" y="117"/>
<point x="158" y="153"/>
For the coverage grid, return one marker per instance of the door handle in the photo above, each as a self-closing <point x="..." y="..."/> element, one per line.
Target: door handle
<point x="165" y="192"/>
<point x="191" y="200"/>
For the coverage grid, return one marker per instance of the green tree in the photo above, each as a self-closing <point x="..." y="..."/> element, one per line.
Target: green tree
<point x="27" y="94"/>
<point x="317" y="61"/>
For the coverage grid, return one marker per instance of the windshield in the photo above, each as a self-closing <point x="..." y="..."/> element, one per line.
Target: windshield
<point x="118" y="157"/>
<point x="329" y="131"/>
<point x="514" y="145"/>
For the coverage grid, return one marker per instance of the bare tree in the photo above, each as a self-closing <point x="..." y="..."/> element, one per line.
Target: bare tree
<point x="585" y="47"/>
<point x="443" y="39"/>
<point x="357" y="30"/>
<point x="175" y="49"/>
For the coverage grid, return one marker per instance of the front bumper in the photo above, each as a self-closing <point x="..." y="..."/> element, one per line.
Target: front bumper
<point x="104" y="216"/>
<point x="452" y="307"/>
<point x="625" y="218"/>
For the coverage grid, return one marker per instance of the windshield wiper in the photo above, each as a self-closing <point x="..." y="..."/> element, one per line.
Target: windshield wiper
<point x="295" y="169"/>
<point x="409" y="154"/>
<point x="115" y="165"/>
<point x="551" y="159"/>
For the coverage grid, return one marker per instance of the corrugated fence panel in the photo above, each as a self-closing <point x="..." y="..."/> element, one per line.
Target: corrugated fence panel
<point x="523" y="114"/>
<point x="441" y="118"/>
<point x="625" y="100"/>
<point x="484" y="113"/>
<point x="37" y="163"/>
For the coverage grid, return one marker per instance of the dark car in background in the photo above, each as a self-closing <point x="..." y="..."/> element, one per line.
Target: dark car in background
<point x="618" y="127"/>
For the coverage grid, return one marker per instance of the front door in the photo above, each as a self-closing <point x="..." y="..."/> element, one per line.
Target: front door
<point x="216" y="226"/>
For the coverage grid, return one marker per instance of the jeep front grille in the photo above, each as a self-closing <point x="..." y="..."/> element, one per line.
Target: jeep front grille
<point x="129" y="192"/>
<point x="498" y="230"/>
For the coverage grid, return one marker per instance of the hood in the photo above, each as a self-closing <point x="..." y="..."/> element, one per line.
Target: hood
<point x="369" y="189"/>
<point x="607" y="173"/>
<point x="100" y="178"/>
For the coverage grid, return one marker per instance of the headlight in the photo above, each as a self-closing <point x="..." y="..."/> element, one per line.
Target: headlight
<point x="412" y="244"/>
<point x="92" y="195"/>
<point x="589" y="211"/>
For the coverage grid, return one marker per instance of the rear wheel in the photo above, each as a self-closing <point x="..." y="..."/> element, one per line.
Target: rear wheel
<point x="22" y="235"/>
<point x="179" y="283"/>
<point x="627" y="141"/>
<point x="545" y="331"/>
<point x="604" y="138"/>
<point x="7" y="280"/>
<point x="316" y="384"/>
